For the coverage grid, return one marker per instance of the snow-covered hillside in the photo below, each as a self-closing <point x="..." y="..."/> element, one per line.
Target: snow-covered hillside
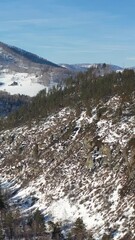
<point x="71" y="165"/>
<point x="22" y="72"/>
<point x="20" y="83"/>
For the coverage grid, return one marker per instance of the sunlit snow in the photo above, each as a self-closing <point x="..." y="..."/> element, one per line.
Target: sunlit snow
<point x="20" y="83"/>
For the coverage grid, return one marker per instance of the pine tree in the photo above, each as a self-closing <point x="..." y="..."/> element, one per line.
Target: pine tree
<point x="79" y="230"/>
<point x="56" y="233"/>
<point x="35" y="151"/>
<point x="106" y="237"/>
<point x="38" y="224"/>
<point x="9" y="224"/>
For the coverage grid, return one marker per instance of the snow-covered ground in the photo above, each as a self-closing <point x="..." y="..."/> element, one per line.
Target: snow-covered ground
<point x="20" y="83"/>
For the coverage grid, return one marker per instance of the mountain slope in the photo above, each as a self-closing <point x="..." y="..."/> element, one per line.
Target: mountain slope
<point x="13" y="55"/>
<point x="22" y="72"/>
<point x="71" y="165"/>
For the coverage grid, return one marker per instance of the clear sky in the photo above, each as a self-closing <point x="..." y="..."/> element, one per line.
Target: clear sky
<point x="72" y="31"/>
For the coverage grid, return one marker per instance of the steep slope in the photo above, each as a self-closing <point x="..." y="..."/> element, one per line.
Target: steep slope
<point x="71" y="165"/>
<point x="23" y="72"/>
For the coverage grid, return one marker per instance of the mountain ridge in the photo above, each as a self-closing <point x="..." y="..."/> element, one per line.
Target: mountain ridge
<point x="26" y="54"/>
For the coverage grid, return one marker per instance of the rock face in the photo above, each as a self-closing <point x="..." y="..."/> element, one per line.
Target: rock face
<point x="72" y="166"/>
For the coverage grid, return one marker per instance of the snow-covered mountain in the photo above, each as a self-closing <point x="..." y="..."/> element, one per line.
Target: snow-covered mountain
<point x="22" y="72"/>
<point x="71" y="166"/>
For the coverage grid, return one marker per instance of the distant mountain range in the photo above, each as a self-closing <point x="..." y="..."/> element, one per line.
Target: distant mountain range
<point x="85" y="66"/>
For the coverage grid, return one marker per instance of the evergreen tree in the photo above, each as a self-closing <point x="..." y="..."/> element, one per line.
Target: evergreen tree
<point x="35" y="151"/>
<point x="106" y="237"/>
<point x="79" y="230"/>
<point x="2" y="204"/>
<point x="38" y="224"/>
<point x="56" y="233"/>
<point x="9" y="224"/>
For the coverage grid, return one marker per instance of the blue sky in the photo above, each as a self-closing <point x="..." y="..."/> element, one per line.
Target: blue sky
<point x="71" y="31"/>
